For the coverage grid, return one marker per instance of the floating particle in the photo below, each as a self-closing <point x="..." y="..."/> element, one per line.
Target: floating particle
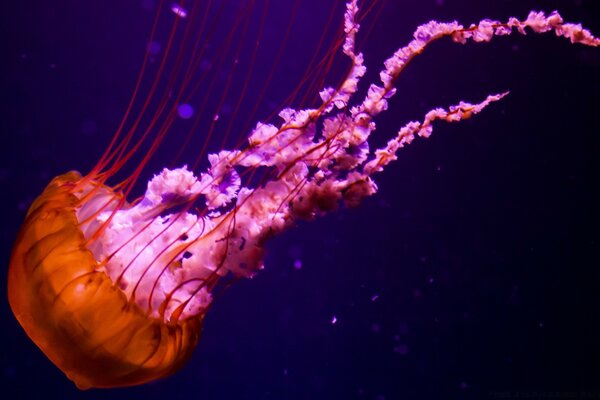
<point x="401" y="349"/>
<point x="154" y="47"/>
<point x="333" y="320"/>
<point x="179" y="11"/>
<point x="185" y="111"/>
<point x="297" y="264"/>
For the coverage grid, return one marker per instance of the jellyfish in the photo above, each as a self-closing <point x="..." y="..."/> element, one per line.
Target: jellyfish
<point x="114" y="291"/>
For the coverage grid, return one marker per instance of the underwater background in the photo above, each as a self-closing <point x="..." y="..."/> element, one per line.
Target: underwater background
<point x="474" y="273"/>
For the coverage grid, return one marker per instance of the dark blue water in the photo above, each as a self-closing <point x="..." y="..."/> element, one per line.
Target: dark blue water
<point x="473" y="273"/>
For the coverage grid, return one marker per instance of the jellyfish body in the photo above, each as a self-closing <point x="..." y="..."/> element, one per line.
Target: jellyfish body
<point x="73" y="311"/>
<point x="115" y="293"/>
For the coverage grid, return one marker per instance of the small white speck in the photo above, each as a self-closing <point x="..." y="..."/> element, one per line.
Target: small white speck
<point x="374" y="297"/>
<point x="179" y="11"/>
<point x="333" y="320"/>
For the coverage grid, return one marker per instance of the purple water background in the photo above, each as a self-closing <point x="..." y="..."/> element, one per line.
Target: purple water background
<point x="472" y="274"/>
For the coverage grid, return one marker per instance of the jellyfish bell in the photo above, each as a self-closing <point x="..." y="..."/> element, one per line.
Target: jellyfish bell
<point x="115" y="292"/>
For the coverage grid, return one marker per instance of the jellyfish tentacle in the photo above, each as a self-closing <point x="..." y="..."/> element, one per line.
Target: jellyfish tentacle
<point x="316" y="170"/>
<point x="341" y="96"/>
<point x="376" y="100"/>
<point x="406" y="134"/>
